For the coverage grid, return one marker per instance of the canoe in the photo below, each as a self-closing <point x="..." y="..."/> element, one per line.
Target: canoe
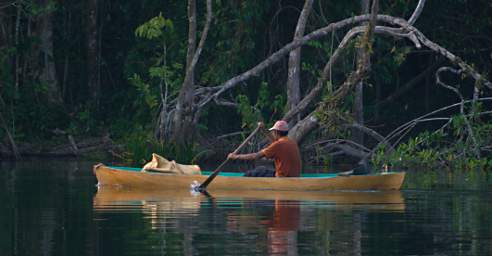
<point x="134" y="178"/>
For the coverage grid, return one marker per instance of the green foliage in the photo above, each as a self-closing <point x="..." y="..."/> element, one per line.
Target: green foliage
<point x="400" y="54"/>
<point x="36" y="9"/>
<point x="266" y="108"/>
<point x="414" y="154"/>
<point x="83" y="122"/>
<point x="436" y="150"/>
<point x="156" y="74"/>
<point x="154" y="27"/>
<point x="143" y="48"/>
<point x="146" y="95"/>
<point x="271" y="108"/>
<point x="263" y="96"/>
<point x="249" y="114"/>
<point x="235" y="43"/>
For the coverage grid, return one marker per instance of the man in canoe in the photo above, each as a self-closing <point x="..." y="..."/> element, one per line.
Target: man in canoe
<point x="282" y="150"/>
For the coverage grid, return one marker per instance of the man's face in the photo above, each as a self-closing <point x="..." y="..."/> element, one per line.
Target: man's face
<point x="274" y="135"/>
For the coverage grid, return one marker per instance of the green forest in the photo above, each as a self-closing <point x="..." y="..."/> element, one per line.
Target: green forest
<point x="401" y="82"/>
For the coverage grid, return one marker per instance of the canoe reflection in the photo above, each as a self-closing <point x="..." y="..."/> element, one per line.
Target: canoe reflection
<point x="281" y="216"/>
<point x="110" y="197"/>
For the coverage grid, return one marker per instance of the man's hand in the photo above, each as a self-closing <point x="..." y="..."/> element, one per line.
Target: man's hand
<point x="232" y="156"/>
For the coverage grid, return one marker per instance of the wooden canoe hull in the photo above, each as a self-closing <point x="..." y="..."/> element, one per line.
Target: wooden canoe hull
<point x="157" y="181"/>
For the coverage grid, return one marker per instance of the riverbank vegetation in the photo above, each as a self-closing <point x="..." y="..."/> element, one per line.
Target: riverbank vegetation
<point x="404" y="83"/>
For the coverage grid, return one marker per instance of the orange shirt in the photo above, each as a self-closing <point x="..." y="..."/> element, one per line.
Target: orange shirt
<point x="285" y="153"/>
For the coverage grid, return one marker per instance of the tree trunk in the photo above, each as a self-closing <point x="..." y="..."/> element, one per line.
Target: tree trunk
<point x="3" y="30"/>
<point x="358" y="105"/>
<point x="305" y="126"/>
<point x="183" y="118"/>
<point x="93" y="84"/>
<point x="16" y="44"/>
<point x="293" y="82"/>
<point x="43" y="61"/>
<point x="48" y="75"/>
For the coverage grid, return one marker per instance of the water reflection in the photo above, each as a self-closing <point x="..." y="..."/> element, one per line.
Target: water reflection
<point x="274" y="218"/>
<point x="282" y="228"/>
<point x="171" y="200"/>
<point x="53" y="208"/>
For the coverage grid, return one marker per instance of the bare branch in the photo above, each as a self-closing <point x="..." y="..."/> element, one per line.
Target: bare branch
<point x="339" y="141"/>
<point x="307" y="124"/>
<point x="414" y="35"/>
<point x="306" y="101"/>
<point x="311" y="121"/>
<point x="349" y="150"/>
<point x="466" y="69"/>
<point x="450" y="87"/>
<point x="404" y="128"/>
<point x="417" y="12"/>
<point x="225" y="103"/>
<point x="462" y="105"/>
<point x="278" y="55"/>
<point x="7" y="3"/>
<point x="204" y="35"/>
<point x="378" y="137"/>
<point x="229" y="135"/>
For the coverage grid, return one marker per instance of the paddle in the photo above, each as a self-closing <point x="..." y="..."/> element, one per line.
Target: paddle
<point x="203" y="187"/>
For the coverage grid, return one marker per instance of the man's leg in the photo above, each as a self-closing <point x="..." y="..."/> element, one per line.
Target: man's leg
<point x="260" y="171"/>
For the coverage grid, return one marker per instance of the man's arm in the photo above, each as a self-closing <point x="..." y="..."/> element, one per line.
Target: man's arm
<point x="247" y="157"/>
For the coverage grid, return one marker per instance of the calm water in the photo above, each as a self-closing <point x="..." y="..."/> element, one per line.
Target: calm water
<point x="54" y="208"/>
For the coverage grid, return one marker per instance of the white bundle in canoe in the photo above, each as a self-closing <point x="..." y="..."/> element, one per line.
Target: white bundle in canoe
<point x="161" y="164"/>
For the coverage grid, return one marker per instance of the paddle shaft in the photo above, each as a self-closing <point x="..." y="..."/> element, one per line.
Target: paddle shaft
<point x="212" y="176"/>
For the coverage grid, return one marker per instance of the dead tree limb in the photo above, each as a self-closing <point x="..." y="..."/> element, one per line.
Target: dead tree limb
<point x="467" y="69"/>
<point x="278" y="55"/>
<point x="303" y="127"/>
<point x="316" y="90"/>
<point x="476" y="147"/>
<point x="340" y="141"/>
<point x="480" y="80"/>
<point x="306" y="125"/>
<point x="372" y="133"/>
<point x="347" y="149"/>
<point x="406" y="127"/>
<point x="411" y="33"/>
<point x="416" y="13"/>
